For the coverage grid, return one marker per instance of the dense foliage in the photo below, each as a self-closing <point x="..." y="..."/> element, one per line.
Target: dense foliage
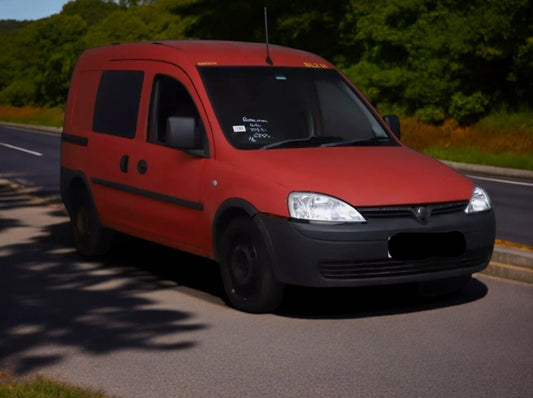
<point x="431" y="59"/>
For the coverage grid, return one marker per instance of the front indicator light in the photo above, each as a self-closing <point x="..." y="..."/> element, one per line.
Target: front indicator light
<point x="479" y="202"/>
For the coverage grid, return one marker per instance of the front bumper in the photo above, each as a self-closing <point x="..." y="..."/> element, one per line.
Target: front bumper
<point x="385" y="250"/>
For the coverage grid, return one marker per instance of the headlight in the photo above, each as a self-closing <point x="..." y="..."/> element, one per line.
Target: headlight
<point x="479" y="201"/>
<point x="318" y="207"/>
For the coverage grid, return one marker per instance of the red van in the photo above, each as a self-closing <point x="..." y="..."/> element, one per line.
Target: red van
<point x="272" y="164"/>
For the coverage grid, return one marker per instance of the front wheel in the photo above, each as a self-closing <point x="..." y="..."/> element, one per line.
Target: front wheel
<point x="247" y="275"/>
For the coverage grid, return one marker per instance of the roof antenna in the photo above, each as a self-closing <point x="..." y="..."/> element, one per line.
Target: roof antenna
<point x="268" y="59"/>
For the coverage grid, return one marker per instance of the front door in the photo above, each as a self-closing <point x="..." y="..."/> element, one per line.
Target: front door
<point x="168" y="182"/>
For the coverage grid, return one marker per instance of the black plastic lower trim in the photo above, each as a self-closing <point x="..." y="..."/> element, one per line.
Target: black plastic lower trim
<point x="154" y="195"/>
<point x="74" y="139"/>
<point x="389" y="267"/>
<point x="382" y="251"/>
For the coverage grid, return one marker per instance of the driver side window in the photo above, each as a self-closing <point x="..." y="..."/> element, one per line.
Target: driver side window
<point x="171" y="98"/>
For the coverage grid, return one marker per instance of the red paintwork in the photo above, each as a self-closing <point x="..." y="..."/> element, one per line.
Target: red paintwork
<point x="188" y="53"/>
<point x="361" y="176"/>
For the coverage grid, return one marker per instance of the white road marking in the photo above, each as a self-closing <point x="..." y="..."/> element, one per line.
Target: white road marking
<point x="526" y="184"/>
<point x="21" y="149"/>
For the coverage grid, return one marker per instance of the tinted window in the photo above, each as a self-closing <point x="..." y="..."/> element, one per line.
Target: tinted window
<point x="117" y="103"/>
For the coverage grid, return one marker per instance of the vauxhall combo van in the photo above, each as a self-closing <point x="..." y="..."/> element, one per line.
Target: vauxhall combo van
<point x="268" y="161"/>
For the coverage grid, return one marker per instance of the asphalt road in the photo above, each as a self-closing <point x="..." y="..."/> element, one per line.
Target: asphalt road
<point x="31" y="159"/>
<point x="146" y="321"/>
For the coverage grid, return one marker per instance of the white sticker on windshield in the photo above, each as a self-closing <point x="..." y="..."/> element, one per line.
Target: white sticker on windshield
<point x="239" y="129"/>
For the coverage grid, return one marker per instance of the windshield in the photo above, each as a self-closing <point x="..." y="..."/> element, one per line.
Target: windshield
<point x="280" y="107"/>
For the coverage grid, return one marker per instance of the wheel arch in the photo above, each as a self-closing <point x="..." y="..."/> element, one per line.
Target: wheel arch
<point x="72" y="184"/>
<point x="228" y="211"/>
<point x="242" y="242"/>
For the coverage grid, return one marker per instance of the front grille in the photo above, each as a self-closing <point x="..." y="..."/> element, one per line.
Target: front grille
<point x="410" y="210"/>
<point x="382" y="268"/>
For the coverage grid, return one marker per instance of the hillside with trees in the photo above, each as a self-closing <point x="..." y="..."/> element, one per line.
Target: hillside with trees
<point x="450" y="59"/>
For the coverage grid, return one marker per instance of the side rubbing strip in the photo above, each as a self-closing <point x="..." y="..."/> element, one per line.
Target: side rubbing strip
<point x="149" y="194"/>
<point x="74" y="139"/>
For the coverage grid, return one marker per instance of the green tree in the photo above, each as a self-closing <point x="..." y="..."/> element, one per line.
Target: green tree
<point x="43" y="56"/>
<point x="312" y="25"/>
<point x="435" y="60"/>
<point x="130" y="3"/>
<point x="138" y="23"/>
<point x="92" y="11"/>
<point x="440" y="59"/>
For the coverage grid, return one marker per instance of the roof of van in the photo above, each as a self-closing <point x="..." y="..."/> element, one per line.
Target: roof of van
<point x="210" y="52"/>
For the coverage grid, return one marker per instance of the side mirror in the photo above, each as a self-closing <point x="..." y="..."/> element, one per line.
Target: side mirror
<point x="394" y="123"/>
<point x="181" y="132"/>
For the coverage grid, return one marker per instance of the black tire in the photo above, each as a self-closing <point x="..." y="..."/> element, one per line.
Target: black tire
<point x="90" y="238"/>
<point x="443" y="287"/>
<point x="247" y="276"/>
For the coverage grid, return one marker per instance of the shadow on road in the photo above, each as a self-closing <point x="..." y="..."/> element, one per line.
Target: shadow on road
<point x="159" y="263"/>
<point x="371" y="301"/>
<point x="50" y="297"/>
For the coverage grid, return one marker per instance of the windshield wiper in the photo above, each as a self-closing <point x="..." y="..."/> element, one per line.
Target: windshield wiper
<point x="303" y="142"/>
<point x="359" y="142"/>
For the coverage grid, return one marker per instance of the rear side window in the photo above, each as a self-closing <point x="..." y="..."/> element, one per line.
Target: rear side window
<point x="117" y="103"/>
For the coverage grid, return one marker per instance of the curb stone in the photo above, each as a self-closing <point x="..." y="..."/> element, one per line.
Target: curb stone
<point x="511" y="263"/>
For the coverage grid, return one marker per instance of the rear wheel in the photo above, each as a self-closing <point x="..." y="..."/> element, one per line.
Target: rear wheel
<point x="246" y="270"/>
<point x="90" y="238"/>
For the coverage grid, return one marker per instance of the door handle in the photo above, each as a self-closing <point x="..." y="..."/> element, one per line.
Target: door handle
<point x="142" y="166"/>
<point x="124" y="163"/>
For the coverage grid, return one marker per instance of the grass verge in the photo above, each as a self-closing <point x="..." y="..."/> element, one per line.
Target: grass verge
<point x="476" y="156"/>
<point x="32" y="115"/>
<point x="488" y="142"/>
<point x="41" y="387"/>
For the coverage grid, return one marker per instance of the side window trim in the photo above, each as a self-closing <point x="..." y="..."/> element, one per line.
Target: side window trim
<point x="154" y="106"/>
